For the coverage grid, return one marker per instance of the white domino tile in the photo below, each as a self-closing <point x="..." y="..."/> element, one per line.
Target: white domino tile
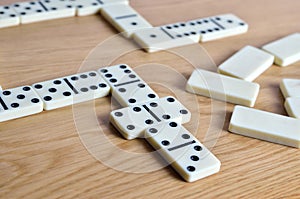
<point x="8" y="17"/>
<point x="217" y="27"/>
<point x="59" y="8"/>
<point x="247" y="64"/>
<point x="265" y="126"/>
<point x="180" y="30"/>
<point x="290" y="87"/>
<point x="126" y="86"/>
<point x="157" y="39"/>
<point x="286" y="50"/>
<point x="19" y="102"/>
<point x="191" y="159"/>
<point x="30" y="12"/>
<point x="72" y="89"/>
<point x="131" y="122"/>
<point x="125" y="19"/>
<point x="85" y="7"/>
<point x="223" y="88"/>
<point x="292" y="106"/>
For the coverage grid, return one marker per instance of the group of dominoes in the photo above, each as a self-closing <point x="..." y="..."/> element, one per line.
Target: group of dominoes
<point x="236" y="86"/>
<point x="144" y="115"/>
<point x="127" y="20"/>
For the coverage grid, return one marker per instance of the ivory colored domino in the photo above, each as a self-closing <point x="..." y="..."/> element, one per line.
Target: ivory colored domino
<point x="8" y="17"/>
<point x="157" y="39"/>
<point x="19" y="102"/>
<point x="285" y="50"/>
<point x="217" y="27"/>
<point x="73" y="89"/>
<point x="59" y="8"/>
<point x="247" y="64"/>
<point x="125" y="19"/>
<point x="265" y="126"/>
<point x="191" y="159"/>
<point x="126" y="86"/>
<point x="292" y="106"/>
<point x="181" y="29"/>
<point x="90" y="7"/>
<point x="131" y="122"/>
<point x="223" y="88"/>
<point x="290" y="87"/>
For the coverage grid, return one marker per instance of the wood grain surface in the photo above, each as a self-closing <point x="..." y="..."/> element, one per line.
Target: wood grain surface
<point x="74" y="152"/>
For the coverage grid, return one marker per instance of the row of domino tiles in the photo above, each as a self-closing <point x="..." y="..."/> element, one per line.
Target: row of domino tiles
<point x="127" y="20"/>
<point x="235" y="85"/>
<point x="41" y="10"/>
<point x="144" y="115"/>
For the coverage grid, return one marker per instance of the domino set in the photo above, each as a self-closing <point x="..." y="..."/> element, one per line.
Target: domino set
<point x="146" y="115"/>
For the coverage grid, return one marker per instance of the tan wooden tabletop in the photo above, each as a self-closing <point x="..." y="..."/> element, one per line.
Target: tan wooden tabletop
<point x="74" y="152"/>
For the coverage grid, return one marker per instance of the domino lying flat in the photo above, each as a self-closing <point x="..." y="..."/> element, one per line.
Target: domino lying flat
<point x="218" y="27"/>
<point x="90" y="7"/>
<point x="285" y="50"/>
<point x="35" y="11"/>
<point x="8" y="17"/>
<point x="223" y="88"/>
<point x="183" y="151"/>
<point x="292" y="106"/>
<point x="132" y="121"/>
<point x="265" y="126"/>
<point x="290" y="87"/>
<point x="125" y="19"/>
<point x="19" y="102"/>
<point x="185" y="33"/>
<point x="127" y="87"/>
<point x="247" y="64"/>
<point x="72" y="89"/>
<point x="157" y="39"/>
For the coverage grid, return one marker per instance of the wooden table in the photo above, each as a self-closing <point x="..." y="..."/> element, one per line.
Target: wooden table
<point x="42" y="156"/>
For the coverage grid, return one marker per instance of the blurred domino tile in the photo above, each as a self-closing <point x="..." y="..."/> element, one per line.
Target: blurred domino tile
<point x="247" y="64"/>
<point x="265" y="126"/>
<point x="292" y="106"/>
<point x="286" y="50"/>
<point x="125" y="19"/>
<point x="223" y="88"/>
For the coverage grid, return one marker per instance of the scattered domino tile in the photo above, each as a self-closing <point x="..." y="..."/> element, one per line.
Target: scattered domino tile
<point x="127" y="87"/>
<point x="191" y="159"/>
<point x="131" y="122"/>
<point x="157" y="39"/>
<point x="59" y="8"/>
<point x="223" y="88"/>
<point x="19" y="102"/>
<point x="292" y="106"/>
<point x="290" y="87"/>
<point x="72" y="89"/>
<point x="286" y="50"/>
<point x="247" y="64"/>
<point x="8" y="17"/>
<point x="124" y="18"/>
<point x="265" y="126"/>
<point x="218" y="27"/>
